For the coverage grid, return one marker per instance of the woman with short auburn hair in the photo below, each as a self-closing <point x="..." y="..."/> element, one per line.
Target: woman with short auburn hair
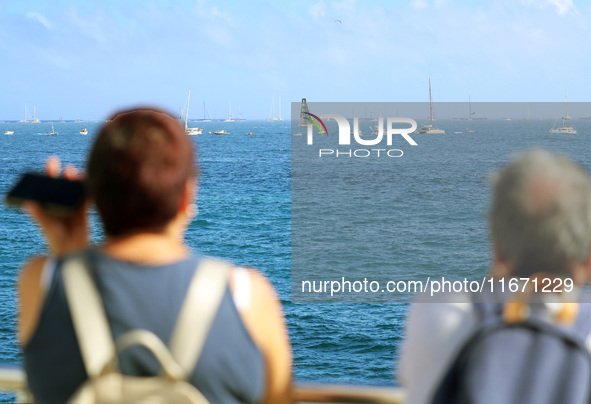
<point x="142" y="178"/>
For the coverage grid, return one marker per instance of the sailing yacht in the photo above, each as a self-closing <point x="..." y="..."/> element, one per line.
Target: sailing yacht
<point x="26" y="117"/>
<point x="190" y="131"/>
<point x="280" y="118"/>
<point x="52" y="131"/>
<point x="273" y="119"/>
<point x="304" y="111"/>
<point x="566" y="128"/>
<point x="206" y="116"/>
<point x="527" y="118"/>
<point x="35" y="120"/>
<point x="431" y="128"/>
<point x="229" y="114"/>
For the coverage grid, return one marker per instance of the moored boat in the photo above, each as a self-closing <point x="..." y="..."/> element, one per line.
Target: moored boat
<point x="431" y="128"/>
<point x="566" y="128"/>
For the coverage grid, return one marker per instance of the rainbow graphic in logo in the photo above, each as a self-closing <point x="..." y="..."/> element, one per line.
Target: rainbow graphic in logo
<point x="316" y="123"/>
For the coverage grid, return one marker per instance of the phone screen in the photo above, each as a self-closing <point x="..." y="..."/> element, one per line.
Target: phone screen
<point x="56" y="195"/>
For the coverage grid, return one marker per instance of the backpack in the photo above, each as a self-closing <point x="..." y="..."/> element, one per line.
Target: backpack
<point x="106" y="384"/>
<point x="530" y="361"/>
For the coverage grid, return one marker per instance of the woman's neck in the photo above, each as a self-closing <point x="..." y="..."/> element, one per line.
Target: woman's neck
<point x="146" y="248"/>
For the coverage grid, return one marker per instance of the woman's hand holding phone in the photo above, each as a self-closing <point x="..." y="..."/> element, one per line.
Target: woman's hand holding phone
<point x="64" y="234"/>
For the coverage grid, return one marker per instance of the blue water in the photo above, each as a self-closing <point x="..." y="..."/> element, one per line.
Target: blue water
<point x="245" y="210"/>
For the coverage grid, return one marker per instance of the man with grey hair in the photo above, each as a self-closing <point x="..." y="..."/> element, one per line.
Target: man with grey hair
<point x="540" y="223"/>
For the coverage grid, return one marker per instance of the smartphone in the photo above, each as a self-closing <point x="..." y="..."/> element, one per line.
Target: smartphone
<point x="59" y="195"/>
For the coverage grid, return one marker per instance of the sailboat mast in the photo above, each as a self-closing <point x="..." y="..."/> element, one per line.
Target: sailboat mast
<point x="564" y="116"/>
<point x="430" y="102"/>
<point x="187" y="112"/>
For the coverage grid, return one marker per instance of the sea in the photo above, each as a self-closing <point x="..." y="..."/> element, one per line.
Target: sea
<point x="245" y="202"/>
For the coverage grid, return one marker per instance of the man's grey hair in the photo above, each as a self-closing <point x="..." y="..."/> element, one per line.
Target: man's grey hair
<point x="540" y="214"/>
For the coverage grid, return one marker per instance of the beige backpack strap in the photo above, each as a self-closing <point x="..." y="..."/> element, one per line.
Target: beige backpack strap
<point x="88" y="315"/>
<point x="198" y="311"/>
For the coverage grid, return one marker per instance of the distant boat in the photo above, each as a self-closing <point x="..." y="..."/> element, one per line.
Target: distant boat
<point x="84" y="131"/>
<point x="221" y="132"/>
<point x="469" y="130"/>
<point x="431" y="128"/>
<point x="566" y="128"/>
<point x="273" y="119"/>
<point x="206" y="116"/>
<point x="26" y="117"/>
<point x="528" y="118"/>
<point x="9" y="132"/>
<point x="280" y="118"/>
<point x="190" y="131"/>
<point x="470" y="113"/>
<point x="250" y="133"/>
<point x="229" y="114"/>
<point x="52" y="131"/>
<point x="240" y="118"/>
<point x="304" y="111"/>
<point x="35" y="120"/>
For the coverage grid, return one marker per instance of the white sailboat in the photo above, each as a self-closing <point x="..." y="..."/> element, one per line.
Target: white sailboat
<point x="229" y="114"/>
<point x="52" y="131"/>
<point x="190" y="131"/>
<point x="35" y="120"/>
<point x="9" y="132"/>
<point x="26" y="116"/>
<point x="431" y="128"/>
<point x="273" y="119"/>
<point x="566" y="128"/>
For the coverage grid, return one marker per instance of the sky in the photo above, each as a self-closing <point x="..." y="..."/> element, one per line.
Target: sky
<point x="85" y="59"/>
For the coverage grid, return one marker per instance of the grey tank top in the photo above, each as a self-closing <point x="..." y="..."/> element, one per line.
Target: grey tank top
<point x="230" y="370"/>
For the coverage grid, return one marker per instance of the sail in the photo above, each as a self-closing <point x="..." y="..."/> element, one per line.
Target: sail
<point x="304" y="111"/>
